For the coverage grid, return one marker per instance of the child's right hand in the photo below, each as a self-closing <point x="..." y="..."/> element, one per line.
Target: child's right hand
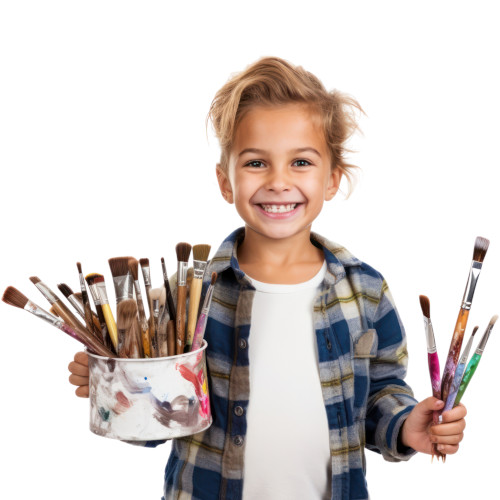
<point x="79" y="369"/>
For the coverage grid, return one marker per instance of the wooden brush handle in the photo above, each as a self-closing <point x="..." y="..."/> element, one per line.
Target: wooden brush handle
<point x="66" y="315"/>
<point x="180" y="324"/>
<point x="194" y="304"/>
<point x="110" y="323"/>
<point x="454" y="353"/>
<point x="171" y="337"/>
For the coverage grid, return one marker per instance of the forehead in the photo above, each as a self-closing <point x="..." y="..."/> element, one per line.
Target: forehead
<point x="279" y="127"/>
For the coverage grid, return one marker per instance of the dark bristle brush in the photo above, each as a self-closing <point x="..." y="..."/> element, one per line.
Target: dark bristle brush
<point x="183" y="251"/>
<point x="89" y="322"/>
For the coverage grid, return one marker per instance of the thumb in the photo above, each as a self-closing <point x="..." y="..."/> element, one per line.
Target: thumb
<point x="431" y="404"/>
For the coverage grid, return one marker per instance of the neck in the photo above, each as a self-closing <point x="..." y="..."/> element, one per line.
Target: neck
<point x="258" y="249"/>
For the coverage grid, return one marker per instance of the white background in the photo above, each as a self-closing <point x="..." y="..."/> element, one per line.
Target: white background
<point x="104" y="153"/>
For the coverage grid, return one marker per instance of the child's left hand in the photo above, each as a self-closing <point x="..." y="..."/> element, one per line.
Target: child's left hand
<point x="419" y="433"/>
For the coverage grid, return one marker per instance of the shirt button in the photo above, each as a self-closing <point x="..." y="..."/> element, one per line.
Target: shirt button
<point x="242" y="343"/>
<point x="238" y="440"/>
<point x="238" y="410"/>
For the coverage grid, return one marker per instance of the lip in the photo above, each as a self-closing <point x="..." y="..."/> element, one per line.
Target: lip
<point x="284" y="215"/>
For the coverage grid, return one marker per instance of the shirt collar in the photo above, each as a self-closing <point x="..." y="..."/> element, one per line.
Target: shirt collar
<point x="337" y="257"/>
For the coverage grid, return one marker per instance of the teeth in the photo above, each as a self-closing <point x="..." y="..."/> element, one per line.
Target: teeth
<point x="279" y="209"/>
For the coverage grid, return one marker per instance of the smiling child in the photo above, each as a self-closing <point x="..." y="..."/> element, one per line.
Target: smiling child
<point x="306" y="352"/>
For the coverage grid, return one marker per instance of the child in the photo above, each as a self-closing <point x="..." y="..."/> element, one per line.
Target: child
<point x="306" y="352"/>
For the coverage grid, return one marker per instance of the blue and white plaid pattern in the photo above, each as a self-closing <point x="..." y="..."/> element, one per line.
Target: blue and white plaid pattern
<point x="362" y="363"/>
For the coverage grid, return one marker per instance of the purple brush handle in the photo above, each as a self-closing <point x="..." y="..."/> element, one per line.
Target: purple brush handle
<point x="435" y="374"/>
<point x="199" y="331"/>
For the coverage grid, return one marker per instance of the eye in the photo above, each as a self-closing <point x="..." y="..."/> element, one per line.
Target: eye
<point x="254" y="164"/>
<point x="302" y="163"/>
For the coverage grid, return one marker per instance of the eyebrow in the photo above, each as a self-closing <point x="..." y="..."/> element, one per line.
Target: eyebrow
<point x="263" y="151"/>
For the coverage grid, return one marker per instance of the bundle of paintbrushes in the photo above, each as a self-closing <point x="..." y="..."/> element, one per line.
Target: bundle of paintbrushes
<point x="170" y="328"/>
<point x="456" y="376"/>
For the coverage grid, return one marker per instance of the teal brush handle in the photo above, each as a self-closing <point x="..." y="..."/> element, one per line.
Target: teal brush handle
<point x="471" y="368"/>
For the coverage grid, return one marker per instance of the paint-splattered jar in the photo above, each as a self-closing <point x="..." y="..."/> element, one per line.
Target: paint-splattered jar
<point x="149" y="399"/>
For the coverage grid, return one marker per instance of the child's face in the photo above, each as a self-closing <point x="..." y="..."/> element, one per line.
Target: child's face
<point x="279" y="170"/>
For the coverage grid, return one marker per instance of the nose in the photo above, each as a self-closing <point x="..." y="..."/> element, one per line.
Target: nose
<point x="278" y="180"/>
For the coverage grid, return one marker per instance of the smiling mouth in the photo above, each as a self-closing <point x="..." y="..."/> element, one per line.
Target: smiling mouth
<point x="278" y="209"/>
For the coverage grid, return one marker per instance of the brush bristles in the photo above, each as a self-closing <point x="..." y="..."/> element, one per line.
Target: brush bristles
<point x="183" y="251"/>
<point x="133" y="265"/>
<point x="480" y="248"/>
<point x="14" y="297"/>
<point x="476" y="328"/>
<point x="213" y="279"/>
<point x="118" y="266"/>
<point x="79" y="266"/>
<point x="126" y="312"/>
<point x="425" y="305"/>
<point x="35" y="279"/>
<point x="201" y="252"/>
<point x="493" y="320"/>
<point x="92" y="278"/>
<point x="144" y="262"/>
<point x="65" y="289"/>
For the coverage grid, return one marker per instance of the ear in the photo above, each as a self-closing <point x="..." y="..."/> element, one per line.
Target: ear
<point x="224" y="184"/>
<point x="333" y="183"/>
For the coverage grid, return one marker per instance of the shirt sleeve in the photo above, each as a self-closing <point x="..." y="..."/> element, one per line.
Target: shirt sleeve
<point x="390" y="399"/>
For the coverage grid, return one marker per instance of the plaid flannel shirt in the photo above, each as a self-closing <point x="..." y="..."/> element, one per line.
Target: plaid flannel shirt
<point x="362" y="362"/>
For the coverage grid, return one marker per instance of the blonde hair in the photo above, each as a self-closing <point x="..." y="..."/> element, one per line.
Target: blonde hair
<point x="272" y="81"/>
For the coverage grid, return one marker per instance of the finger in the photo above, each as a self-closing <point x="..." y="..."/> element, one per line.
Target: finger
<point x="456" y="413"/>
<point x="82" y="392"/>
<point x="82" y="358"/>
<point x="448" y="429"/>
<point x="78" y="369"/>
<point x="447" y="449"/>
<point x="77" y="380"/>
<point x="455" y="439"/>
<point x="431" y="404"/>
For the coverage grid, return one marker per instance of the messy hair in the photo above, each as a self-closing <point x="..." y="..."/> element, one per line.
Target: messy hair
<point x="272" y="81"/>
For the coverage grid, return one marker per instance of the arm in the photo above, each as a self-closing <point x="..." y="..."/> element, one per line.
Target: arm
<point x="390" y="399"/>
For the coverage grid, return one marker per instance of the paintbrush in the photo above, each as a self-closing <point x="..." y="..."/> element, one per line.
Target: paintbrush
<point x="202" y="320"/>
<point x="432" y="360"/>
<point x="89" y="322"/>
<point x="457" y="378"/>
<point x="171" y="338"/>
<point x="122" y="279"/>
<point x="146" y="274"/>
<point x="170" y="301"/>
<point x="76" y="302"/>
<point x="98" y="286"/>
<point x="133" y="265"/>
<point x="480" y="249"/>
<point x="59" y="306"/>
<point x="14" y="297"/>
<point x="91" y="282"/>
<point x="129" y="342"/>
<point x="474" y="361"/>
<point x="183" y="251"/>
<point x="200" y="257"/>
<point x="154" y="338"/>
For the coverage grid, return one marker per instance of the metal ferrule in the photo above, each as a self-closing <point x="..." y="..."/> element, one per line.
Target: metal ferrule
<point x="124" y="287"/>
<point x="208" y="300"/>
<point x="199" y="269"/>
<point x="100" y="289"/>
<point x="484" y="339"/>
<point x="182" y="269"/>
<point x="82" y="283"/>
<point x="46" y="292"/>
<point x="138" y="294"/>
<point x="42" y="313"/>
<point x="95" y="295"/>
<point x="431" y="341"/>
<point x="77" y="305"/>
<point x="156" y="308"/>
<point x="475" y="269"/>
<point x="146" y="274"/>
<point x="465" y="354"/>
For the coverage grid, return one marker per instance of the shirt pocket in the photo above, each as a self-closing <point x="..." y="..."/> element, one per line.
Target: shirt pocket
<point x="364" y="348"/>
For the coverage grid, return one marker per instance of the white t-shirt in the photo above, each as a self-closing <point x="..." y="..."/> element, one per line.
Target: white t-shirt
<point x="287" y="453"/>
